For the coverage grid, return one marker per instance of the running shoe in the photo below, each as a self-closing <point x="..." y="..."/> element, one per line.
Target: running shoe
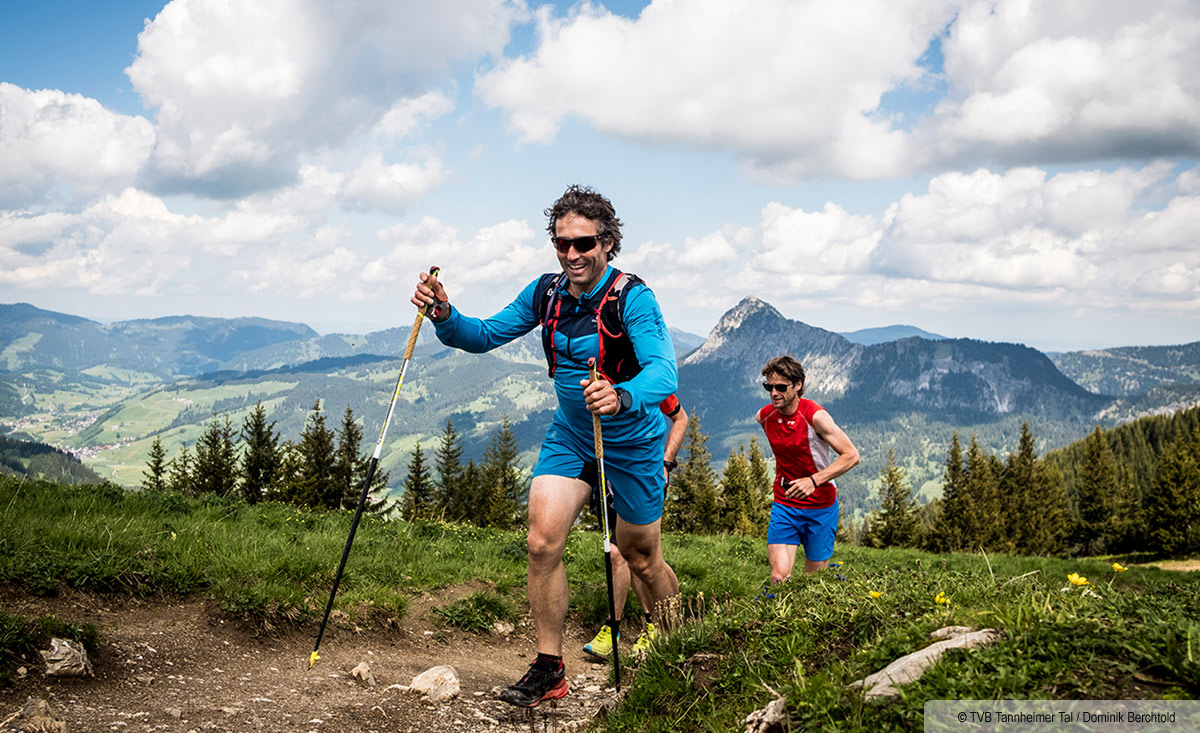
<point x="642" y="645"/>
<point x="601" y="644"/>
<point x="535" y="687"/>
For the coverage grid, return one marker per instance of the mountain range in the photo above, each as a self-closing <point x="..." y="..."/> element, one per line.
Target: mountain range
<point x="105" y="391"/>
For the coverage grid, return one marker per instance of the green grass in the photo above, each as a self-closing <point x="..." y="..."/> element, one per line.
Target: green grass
<point x="1134" y="635"/>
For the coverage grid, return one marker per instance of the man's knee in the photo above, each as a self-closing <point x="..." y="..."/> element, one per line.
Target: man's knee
<point x="778" y="576"/>
<point x="543" y="547"/>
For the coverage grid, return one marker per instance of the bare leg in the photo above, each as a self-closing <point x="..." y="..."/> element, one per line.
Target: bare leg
<point x="781" y="558"/>
<point x="812" y="567"/>
<point x="620" y="581"/>
<point x="642" y="547"/>
<point x="554" y="503"/>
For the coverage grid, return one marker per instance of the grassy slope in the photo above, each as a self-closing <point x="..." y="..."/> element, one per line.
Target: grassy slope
<point x="1135" y="637"/>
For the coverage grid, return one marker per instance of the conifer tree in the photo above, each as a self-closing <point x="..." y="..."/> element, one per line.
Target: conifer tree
<point x="503" y="484"/>
<point x="986" y="527"/>
<point x="895" y="523"/>
<point x="953" y="522"/>
<point x="419" y="500"/>
<point x="315" y="484"/>
<point x="181" y="472"/>
<point x="215" y="468"/>
<point x="692" y="503"/>
<point x="154" y="478"/>
<point x="762" y="485"/>
<point x="737" y="495"/>
<point x="347" y="461"/>
<point x="1173" y="504"/>
<point x="1094" y="489"/>
<point x="470" y="485"/>
<point x="261" y="461"/>
<point x="453" y="503"/>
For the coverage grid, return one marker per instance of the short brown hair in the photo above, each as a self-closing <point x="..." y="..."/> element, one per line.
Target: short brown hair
<point x="586" y="202"/>
<point x="788" y="368"/>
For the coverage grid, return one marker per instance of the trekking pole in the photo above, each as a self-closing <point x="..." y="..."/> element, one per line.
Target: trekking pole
<point x="366" y="488"/>
<point x="605" y="529"/>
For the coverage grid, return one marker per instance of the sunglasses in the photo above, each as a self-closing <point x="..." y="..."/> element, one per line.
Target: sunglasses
<point x="581" y="244"/>
<point x="776" y="387"/>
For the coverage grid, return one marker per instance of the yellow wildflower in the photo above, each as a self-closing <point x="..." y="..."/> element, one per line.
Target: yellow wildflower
<point x="1077" y="579"/>
<point x="874" y="594"/>
<point x="941" y="599"/>
<point x="1119" y="567"/>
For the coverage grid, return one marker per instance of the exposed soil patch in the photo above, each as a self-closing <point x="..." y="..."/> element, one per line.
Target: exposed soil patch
<point x="170" y="665"/>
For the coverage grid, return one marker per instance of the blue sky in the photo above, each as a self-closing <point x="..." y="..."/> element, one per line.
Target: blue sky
<point x="1009" y="170"/>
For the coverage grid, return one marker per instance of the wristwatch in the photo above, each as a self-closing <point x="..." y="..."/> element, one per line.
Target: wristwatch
<point x="670" y="465"/>
<point x="626" y="400"/>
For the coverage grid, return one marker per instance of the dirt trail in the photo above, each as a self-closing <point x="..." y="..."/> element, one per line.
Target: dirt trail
<point x="179" y="666"/>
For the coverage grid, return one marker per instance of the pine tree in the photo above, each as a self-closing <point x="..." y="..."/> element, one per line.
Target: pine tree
<point x="1094" y="489"/>
<point x="987" y="526"/>
<point x="1173" y="504"/>
<point x="737" y="495"/>
<point x="952" y="524"/>
<point x="895" y="523"/>
<point x="692" y="504"/>
<point x="1036" y="504"/>
<point x="262" y="460"/>
<point x="759" y="514"/>
<point x="418" y="501"/>
<point x="503" y="485"/>
<point x="181" y="472"/>
<point x="154" y="478"/>
<point x="315" y="484"/>
<point x="215" y="468"/>
<point x="471" y="485"/>
<point x="452" y="502"/>
<point x="346" y="460"/>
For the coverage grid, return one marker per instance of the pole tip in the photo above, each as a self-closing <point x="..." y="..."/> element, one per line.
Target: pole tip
<point x="312" y="659"/>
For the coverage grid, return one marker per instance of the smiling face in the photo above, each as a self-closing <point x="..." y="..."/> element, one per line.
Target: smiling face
<point x="584" y="269"/>
<point x="787" y="400"/>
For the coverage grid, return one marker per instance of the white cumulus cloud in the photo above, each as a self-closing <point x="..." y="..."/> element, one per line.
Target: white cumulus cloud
<point x="241" y="89"/>
<point x="65" y="144"/>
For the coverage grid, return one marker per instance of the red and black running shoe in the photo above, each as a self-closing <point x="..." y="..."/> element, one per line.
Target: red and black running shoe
<point x="538" y="685"/>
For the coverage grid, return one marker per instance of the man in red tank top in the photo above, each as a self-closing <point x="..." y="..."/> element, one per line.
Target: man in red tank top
<point x="810" y="452"/>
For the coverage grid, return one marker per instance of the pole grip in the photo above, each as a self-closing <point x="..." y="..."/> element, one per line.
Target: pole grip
<point x="416" y="329"/>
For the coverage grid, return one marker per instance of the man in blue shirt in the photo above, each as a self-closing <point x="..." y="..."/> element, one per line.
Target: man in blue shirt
<point x="638" y="369"/>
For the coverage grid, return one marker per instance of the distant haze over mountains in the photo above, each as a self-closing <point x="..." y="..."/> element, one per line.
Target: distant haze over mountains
<point x="872" y="336"/>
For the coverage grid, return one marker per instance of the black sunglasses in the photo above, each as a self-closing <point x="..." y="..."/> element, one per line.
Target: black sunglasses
<point x="776" y="387"/>
<point x="581" y="244"/>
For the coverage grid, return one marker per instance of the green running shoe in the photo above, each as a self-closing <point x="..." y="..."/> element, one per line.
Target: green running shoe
<point x="601" y="644"/>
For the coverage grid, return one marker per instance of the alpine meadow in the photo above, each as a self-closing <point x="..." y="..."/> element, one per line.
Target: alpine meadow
<point x="623" y="366"/>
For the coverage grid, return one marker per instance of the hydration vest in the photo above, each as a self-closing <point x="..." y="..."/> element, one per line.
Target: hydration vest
<point x="616" y="363"/>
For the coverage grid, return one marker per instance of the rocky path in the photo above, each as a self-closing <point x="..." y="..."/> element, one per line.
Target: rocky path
<point x="180" y="667"/>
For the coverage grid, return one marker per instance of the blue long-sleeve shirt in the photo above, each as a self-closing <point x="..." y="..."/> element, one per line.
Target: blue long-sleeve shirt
<point x="643" y="322"/>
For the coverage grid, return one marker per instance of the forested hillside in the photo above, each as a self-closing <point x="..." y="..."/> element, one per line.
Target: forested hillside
<point x="41" y="461"/>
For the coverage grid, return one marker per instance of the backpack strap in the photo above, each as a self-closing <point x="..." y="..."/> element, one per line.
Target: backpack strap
<point x="546" y="303"/>
<point x="617" y="361"/>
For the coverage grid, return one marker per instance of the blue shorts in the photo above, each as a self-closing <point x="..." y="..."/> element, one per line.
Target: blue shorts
<point x="634" y="471"/>
<point x="812" y="528"/>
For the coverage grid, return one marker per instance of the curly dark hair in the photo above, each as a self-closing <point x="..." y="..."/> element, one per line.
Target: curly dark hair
<point x="787" y="368"/>
<point x="586" y="202"/>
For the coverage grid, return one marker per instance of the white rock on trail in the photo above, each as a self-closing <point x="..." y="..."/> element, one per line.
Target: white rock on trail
<point x="439" y="683"/>
<point x="363" y="672"/>
<point x="66" y="658"/>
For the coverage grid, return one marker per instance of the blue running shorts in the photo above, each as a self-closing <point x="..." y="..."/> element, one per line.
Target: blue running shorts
<point x="812" y="528"/>
<point x="634" y="471"/>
